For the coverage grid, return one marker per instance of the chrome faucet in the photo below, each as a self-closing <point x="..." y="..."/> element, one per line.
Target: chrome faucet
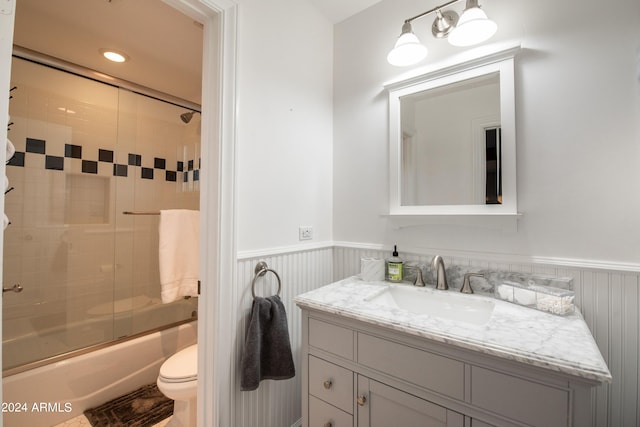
<point x="441" y="276"/>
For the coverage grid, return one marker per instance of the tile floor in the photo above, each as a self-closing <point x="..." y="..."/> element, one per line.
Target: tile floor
<point x="82" y="421"/>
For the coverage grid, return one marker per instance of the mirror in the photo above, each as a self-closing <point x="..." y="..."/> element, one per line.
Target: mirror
<point x="452" y="139"/>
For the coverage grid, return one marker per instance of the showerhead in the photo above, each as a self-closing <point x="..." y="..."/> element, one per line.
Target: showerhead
<point x="186" y="117"/>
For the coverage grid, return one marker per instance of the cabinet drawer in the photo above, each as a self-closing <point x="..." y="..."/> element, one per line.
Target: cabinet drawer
<point x="526" y="401"/>
<point x="331" y="338"/>
<point x="322" y="414"/>
<point x="428" y="370"/>
<point x="331" y="383"/>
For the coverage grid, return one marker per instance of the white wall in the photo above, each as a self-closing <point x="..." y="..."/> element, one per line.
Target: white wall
<point x="284" y="180"/>
<point x="284" y="143"/>
<point x="578" y="145"/>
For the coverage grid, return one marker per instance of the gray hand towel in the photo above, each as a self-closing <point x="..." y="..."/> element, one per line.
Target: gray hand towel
<point x="267" y="350"/>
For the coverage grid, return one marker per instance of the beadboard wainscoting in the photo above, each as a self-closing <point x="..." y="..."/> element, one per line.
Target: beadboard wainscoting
<point x="607" y="295"/>
<point x="276" y="403"/>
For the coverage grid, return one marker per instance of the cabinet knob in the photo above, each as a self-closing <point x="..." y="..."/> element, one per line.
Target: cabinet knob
<point x="362" y="399"/>
<point x="327" y="385"/>
<point x="328" y="424"/>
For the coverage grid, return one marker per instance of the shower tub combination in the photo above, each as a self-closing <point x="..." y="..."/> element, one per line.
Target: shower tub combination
<point x="70" y="386"/>
<point x="88" y="324"/>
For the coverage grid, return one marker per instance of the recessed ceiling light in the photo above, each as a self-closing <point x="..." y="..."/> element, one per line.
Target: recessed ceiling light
<point x="113" y="55"/>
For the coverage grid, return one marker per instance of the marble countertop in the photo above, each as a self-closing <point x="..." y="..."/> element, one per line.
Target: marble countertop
<point x="558" y="343"/>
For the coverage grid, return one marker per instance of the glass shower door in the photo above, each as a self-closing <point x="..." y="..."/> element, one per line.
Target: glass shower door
<point x="86" y="152"/>
<point x="60" y="242"/>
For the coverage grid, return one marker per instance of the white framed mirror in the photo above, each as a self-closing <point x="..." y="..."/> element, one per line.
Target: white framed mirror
<point x="452" y="139"/>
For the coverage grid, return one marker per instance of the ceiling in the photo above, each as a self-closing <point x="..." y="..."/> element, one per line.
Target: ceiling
<point x="339" y="10"/>
<point x="164" y="46"/>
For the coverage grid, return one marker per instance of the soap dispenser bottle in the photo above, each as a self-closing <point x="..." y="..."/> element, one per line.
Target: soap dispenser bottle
<point x="394" y="267"/>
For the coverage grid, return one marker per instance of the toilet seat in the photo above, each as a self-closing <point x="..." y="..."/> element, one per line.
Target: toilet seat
<point x="181" y="367"/>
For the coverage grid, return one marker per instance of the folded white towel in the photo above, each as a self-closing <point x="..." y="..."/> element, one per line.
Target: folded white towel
<point x="179" y="253"/>
<point x="11" y="150"/>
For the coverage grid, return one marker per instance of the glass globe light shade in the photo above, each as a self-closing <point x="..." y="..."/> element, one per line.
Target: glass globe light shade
<point x="408" y="50"/>
<point x="473" y="27"/>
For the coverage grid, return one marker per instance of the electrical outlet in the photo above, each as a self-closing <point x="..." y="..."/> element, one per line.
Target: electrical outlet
<point x="305" y="233"/>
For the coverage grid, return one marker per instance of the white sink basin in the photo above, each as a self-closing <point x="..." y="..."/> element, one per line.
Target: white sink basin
<point x="445" y="304"/>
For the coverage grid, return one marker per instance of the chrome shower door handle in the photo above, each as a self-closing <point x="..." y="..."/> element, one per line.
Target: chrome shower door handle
<point x="15" y="288"/>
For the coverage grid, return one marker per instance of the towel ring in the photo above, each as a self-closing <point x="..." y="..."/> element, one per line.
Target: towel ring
<point x="261" y="269"/>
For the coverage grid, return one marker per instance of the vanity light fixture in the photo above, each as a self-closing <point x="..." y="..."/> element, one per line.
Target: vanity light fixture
<point x="471" y="28"/>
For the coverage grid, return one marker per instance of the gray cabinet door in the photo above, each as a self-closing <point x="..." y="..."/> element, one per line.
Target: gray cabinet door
<point x="382" y="406"/>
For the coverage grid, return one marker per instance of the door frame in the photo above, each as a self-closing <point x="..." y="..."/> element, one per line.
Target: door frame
<point x="217" y="206"/>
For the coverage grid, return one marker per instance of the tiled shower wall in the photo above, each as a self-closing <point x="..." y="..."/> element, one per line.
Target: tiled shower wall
<point x="85" y="153"/>
<point x="608" y="298"/>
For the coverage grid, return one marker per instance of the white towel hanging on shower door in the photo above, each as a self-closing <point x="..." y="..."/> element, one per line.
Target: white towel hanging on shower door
<point x="179" y="254"/>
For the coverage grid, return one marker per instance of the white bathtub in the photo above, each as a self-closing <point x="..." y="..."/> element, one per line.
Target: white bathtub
<point x="60" y="391"/>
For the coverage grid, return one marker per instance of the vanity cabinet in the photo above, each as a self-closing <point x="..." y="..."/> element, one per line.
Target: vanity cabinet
<point x="362" y="375"/>
<point x="332" y="396"/>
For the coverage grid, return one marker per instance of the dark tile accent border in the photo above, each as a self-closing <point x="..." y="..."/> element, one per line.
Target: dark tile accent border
<point x="73" y="151"/>
<point x="159" y="163"/>
<point x="36" y="145"/>
<point x="89" y="166"/>
<point x="54" y="162"/>
<point x="105" y="155"/>
<point x="17" y="159"/>
<point x="120" y="170"/>
<point x="135" y="159"/>
<point x="147" y="173"/>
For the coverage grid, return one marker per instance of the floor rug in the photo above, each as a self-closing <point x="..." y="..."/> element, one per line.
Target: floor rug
<point x="141" y="408"/>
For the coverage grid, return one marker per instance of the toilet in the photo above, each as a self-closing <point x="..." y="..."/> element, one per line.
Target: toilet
<point x="178" y="380"/>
